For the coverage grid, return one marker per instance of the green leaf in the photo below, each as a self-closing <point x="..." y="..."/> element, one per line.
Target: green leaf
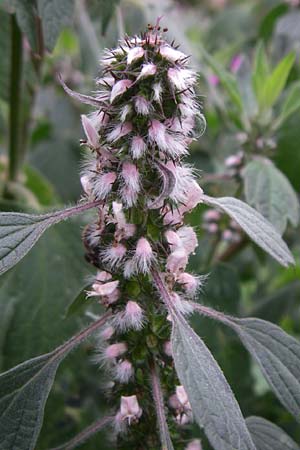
<point x="256" y="226"/>
<point x="290" y="105"/>
<point x="268" y="436"/>
<point x="55" y="14"/>
<point x="44" y="284"/>
<point x="278" y="356"/>
<point x="270" y="192"/>
<point x="213" y="403"/>
<point x="24" y="391"/>
<point x="260" y="70"/>
<point x="19" y="232"/>
<point x="276" y="82"/>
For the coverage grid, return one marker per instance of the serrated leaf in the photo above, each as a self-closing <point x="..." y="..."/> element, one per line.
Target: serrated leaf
<point x="19" y="232"/>
<point x="24" y="391"/>
<point x="213" y="403"/>
<point x="278" y="356"/>
<point x="270" y="192"/>
<point x="256" y="226"/>
<point x="44" y="283"/>
<point x="290" y="105"/>
<point x="276" y="82"/>
<point x="55" y="14"/>
<point x="268" y="436"/>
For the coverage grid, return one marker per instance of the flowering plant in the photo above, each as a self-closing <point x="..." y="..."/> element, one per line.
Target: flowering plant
<point x="160" y="375"/>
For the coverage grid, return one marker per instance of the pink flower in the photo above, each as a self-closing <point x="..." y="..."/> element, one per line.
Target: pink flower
<point x="213" y="80"/>
<point x="177" y="261"/>
<point x="90" y="132"/>
<point x="107" y="333"/>
<point x="212" y="215"/>
<point x="131" y="176"/>
<point x="119" y="88"/>
<point x="124" y="371"/>
<point x="188" y="239"/>
<point x="119" y="131"/>
<point x="181" y="79"/>
<point x="138" y="147"/>
<point x="134" y="54"/>
<point x="143" y="256"/>
<point x="189" y="282"/>
<point x="102" y="275"/>
<point x="127" y="109"/>
<point x="173" y="239"/>
<point x="114" y="254"/>
<point x="233" y="161"/>
<point x="131" y="318"/>
<point x="130" y="410"/>
<point x="157" y="134"/>
<point x="115" y="350"/>
<point x="147" y="71"/>
<point x="103" y="288"/>
<point x="86" y="184"/>
<point x="157" y="92"/>
<point x="142" y="105"/>
<point x="236" y="63"/>
<point x="103" y="184"/>
<point x="131" y="179"/>
<point x="171" y="54"/>
<point x="182" y="306"/>
<point x="168" y="348"/>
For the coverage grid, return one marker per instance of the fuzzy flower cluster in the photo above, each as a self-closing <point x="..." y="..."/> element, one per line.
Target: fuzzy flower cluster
<point x="145" y="118"/>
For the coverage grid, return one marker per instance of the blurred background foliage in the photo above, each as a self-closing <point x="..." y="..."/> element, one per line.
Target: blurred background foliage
<point x="247" y="54"/>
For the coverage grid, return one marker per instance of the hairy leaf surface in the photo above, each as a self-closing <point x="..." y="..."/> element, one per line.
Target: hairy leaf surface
<point x="19" y="232"/>
<point x="278" y="355"/>
<point x="24" y="391"/>
<point x="213" y="403"/>
<point x="270" y="192"/>
<point x="268" y="436"/>
<point x="256" y="226"/>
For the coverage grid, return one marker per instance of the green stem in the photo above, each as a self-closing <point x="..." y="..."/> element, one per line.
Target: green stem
<point x="15" y="100"/>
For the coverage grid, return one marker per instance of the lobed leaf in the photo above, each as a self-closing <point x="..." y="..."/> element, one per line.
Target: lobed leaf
<point x="270" y="192"/>
<point x="19" y="232"/>
<point x="256" y="226"/>
<point x="24" y="391"/>
<point x="268" y="436"/>
<point x="213" y="403"/>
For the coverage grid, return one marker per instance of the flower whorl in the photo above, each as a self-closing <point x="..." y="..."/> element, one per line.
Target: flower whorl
<point x="146" y="114"/>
